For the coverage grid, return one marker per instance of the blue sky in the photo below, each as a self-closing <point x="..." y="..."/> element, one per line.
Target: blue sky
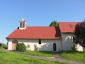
<point x="38" y="13"/>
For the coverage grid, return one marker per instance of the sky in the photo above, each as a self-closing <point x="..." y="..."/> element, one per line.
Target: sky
<point x="38" y="13"/>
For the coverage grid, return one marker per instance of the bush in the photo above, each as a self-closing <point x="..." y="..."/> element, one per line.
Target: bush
<point x="28" y="46"/>
<point x="0" y="44"/>
<point x="21" y="47"/>
<point x="4" y="46"/>
<point x="36" y="48"/>
<point x="74" y="48"/>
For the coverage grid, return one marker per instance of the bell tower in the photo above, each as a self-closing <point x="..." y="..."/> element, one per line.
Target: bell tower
<point x="22" y="24"/>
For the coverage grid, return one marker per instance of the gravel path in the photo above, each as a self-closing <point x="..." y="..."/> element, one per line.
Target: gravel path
<point x="56" y="58"/>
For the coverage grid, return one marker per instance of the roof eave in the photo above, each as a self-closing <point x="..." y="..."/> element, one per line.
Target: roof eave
<point x="34" y="38"/>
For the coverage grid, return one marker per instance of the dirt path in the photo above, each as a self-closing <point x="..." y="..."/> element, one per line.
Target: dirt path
<point x="56" y="58"/>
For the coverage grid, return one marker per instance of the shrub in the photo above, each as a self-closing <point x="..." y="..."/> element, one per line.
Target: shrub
<point x="0" y="44"/>
<point x="36" y="48"/>
<point x="4" y="46"/>
<point x="28" y="46"/>
<point x="21" y="47"/>
<point x="74" y="48"/>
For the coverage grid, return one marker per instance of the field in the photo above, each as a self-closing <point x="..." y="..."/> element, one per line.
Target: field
<point x="75" y="56"/>
<point x="40" y="53"/>
<point x="12" y="58"/>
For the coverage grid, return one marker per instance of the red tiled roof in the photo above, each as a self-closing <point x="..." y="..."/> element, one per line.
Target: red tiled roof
<point x="36" y="33"/>
<point x="67" y="27"/>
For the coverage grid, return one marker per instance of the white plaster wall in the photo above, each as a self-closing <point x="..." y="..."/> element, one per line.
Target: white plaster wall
<point x="46" y="45"/>
<point x="30" y="43"/>
<point x="67" y="41"/>
<point x="9" y="44"/>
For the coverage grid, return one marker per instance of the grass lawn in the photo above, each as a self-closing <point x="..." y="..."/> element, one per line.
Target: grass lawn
<point x="75" y="56"/>
<point x="12" y="58"/>
<point x="1" y="48"/>
<point x="40" y="53"/>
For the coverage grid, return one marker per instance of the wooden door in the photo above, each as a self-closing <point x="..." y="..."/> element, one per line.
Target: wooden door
<point x="14" y="44"/>
<point x="54" y="47"/>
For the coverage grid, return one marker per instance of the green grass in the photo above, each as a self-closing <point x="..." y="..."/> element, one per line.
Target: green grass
<point x="40" y="53"/>
<point x="75" y="56"/>
<point x="12" y="58"/>
<point x="1" y="48"/>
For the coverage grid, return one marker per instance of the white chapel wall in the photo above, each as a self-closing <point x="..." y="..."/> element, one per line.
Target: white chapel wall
<point x="67" y="41"/>
<point x="46" y="45"/>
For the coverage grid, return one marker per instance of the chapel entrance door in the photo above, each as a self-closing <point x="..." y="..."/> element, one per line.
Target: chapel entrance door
<point x="54" y="46"/>
<point x="14" y="44"/>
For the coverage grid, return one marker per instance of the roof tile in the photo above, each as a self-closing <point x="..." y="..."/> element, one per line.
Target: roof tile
<point x="36" y="33"/>
<point x="67" y="27"/>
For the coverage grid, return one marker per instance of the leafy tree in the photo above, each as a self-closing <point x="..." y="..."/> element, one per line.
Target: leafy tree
<point x="80" y="34"/>
<point x="54" y="23"/>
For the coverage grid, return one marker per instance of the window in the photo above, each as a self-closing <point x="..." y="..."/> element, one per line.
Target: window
<point x="39" y="41"/>
<point x="74" y="39"/>
<point x="20" y="24"/>
<point x="23" y="24"/>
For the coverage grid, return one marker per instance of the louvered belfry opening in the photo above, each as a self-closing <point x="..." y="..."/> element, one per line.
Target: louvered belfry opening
<point x="22" y="24"/>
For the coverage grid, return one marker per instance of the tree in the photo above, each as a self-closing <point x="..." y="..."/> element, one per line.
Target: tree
<point x="80" y="34"/>
<point x="54" y="23"/>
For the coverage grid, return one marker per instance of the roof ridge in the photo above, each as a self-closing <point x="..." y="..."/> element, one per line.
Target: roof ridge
<point x="70" y="22"/>
<point x="40" y="26"/>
